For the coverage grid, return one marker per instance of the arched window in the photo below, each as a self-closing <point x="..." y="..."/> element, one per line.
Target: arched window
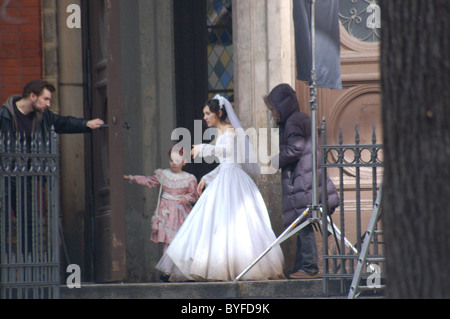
<point x="361" y="19"/>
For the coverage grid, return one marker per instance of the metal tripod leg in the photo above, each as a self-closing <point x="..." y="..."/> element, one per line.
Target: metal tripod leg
<point x="331" y="227"/>
<point x="292" y="230"/>
<point x="355" y="288"/>
<point x="278" y="241"/>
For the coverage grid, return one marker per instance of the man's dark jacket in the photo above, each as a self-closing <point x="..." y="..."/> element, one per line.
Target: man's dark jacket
<point x="295" y="158"/>
<point x="42" y="123"/>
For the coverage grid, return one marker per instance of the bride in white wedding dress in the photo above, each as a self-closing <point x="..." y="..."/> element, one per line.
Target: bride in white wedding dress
<point x="229" y="226"/>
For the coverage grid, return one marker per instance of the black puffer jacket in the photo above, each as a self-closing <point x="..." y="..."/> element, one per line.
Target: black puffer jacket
<point x="295" y="158"/>
<point x="42" y="122"/>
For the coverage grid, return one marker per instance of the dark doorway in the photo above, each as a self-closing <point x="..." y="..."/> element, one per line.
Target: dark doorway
<point x="203" y="63"/>
<point x="190" y="69"/>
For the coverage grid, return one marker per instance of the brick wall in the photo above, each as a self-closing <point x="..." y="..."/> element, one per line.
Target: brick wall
<point x="20" y="45"/>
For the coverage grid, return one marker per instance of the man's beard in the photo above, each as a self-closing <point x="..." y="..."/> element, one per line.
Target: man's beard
<point x="37" y="110"/>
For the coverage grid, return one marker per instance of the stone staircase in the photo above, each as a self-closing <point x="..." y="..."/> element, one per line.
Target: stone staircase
<point x="273" y="289"/>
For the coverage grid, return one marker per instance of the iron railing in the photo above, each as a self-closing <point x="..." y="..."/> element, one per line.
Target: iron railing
<point x="29" y="212"/>
<point x="356" y="170"/>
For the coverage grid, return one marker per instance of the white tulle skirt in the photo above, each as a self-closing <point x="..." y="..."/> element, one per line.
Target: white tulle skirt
<point x="226" y="231"/>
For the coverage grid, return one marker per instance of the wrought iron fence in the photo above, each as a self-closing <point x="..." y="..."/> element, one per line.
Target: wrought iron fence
<point x="29" y="212"/>
<point x="356" y="170"/>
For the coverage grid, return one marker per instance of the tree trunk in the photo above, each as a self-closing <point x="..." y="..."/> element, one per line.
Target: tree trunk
<point x="415" y="67"/>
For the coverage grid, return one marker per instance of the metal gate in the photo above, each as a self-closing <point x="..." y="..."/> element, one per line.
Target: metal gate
<point x="357" y="173"/>
<point x="29" y="212"/>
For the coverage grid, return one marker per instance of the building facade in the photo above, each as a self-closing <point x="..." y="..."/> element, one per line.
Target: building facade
<point x="146" y="67"/>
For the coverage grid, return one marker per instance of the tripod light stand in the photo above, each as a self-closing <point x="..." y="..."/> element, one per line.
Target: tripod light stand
<point x="315" y="209"/>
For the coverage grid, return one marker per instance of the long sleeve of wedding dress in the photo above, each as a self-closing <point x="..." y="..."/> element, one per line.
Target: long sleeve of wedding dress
<point x="223" y="150"/>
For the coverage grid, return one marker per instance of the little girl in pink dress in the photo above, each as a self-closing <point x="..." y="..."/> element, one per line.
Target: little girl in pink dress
<point x="177" y="194"/>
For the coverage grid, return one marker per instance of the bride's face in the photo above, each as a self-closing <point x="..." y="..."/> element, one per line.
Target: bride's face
<point x="210" y="118"/>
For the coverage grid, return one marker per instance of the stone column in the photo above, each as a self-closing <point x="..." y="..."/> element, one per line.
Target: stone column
<point x="70" y="93"/>
<point x="264" y="56"/>
<point x="149" y="107"/>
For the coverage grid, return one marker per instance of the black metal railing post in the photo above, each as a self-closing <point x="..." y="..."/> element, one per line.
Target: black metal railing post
<point x="350" y="162"/>
<point x="29" y="212"/>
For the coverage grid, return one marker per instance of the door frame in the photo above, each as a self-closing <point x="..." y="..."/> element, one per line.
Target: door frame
<point x="105" y="257"/>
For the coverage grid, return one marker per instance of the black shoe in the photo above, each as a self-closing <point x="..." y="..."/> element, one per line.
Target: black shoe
<point x="303" y="275"/>
<point x="164" y="277"/>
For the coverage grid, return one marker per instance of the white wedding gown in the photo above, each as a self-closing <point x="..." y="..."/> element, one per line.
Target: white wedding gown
<point x="228" y="228"/>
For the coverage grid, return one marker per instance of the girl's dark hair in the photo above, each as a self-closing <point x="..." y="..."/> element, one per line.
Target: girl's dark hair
<point x="178" y="150"/>
<point x="214" y="107"/>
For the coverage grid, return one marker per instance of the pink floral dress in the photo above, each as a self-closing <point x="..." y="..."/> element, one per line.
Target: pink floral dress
<point x="170" y="213"/>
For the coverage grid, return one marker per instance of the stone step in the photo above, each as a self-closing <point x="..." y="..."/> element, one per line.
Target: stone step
<point x="304" y="288"/>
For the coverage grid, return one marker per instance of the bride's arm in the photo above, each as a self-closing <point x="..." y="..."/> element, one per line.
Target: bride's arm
<point x="208" y="178"/>
<point x="223" y="150"/>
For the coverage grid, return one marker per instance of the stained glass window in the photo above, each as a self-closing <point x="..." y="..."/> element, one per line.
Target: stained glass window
<point x="220" y="47"/>
<point x="361" y="19"/>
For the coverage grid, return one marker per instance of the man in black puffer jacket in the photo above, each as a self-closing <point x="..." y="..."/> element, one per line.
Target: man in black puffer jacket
<point x="295" y="161"/>
<point x="30" y="112"/>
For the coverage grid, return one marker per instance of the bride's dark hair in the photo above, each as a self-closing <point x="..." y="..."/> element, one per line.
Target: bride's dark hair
<point x="214" y="106"/>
